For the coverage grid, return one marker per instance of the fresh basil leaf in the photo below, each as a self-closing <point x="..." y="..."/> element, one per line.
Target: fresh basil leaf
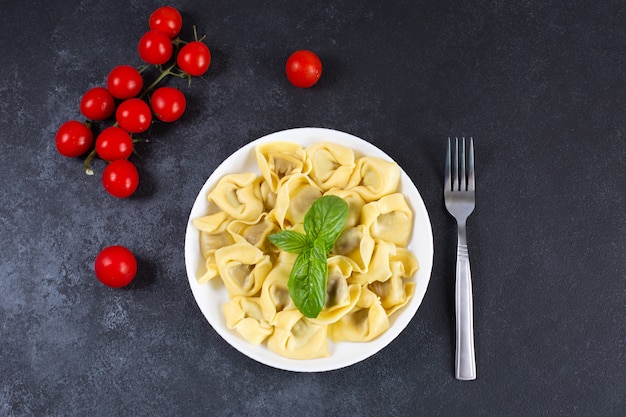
<point x="308" y="280"/>
<point x="289" y="241"/>
<point x="325" y="220"/>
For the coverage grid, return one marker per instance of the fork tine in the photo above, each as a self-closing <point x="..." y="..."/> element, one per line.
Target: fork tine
<point x="447" y="182"/>
<point x="471" y="181"/>
<point x="455" y="167"/>
<point x="462" y="178"/>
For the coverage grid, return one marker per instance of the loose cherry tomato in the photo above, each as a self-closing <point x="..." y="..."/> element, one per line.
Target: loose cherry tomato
<point x="115" y="266"/>
<point x="114" y="143"/>
<point x="166" y="19"/>
<point x="74" y="139"/>
<point x="303" y="68"/>
<point x="124" y="82"/>
<point x="97" y="104"/>
<point x="194" y="58"/>
<point x="155" y="47"/>
<point x="133" y="115"/>
<point x="120" y="178"/>
<point x="168" y="104"/>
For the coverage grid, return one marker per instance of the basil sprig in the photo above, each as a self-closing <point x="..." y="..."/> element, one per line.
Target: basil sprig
<point x="323" y="223"/>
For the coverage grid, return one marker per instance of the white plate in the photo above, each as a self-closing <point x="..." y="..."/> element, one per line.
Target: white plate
<point x="211" y="296"/>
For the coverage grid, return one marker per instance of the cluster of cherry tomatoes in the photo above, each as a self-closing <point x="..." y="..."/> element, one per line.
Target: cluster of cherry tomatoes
<point x="132" y="104"/>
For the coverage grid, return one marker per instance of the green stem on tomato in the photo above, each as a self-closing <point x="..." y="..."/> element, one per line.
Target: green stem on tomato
<point x="164" y="73"/>
<point x="142" y="68"/>
<point x="88" y="160"/>
<point x="195" y="35"/>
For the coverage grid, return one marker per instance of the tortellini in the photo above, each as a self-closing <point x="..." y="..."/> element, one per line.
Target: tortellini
<point x="253" y="232"/>
<point x="366" y="322"/>
<point x="243" y="268"/>
<point x="279" y="160"/>
<point x="244" y="315"/>
<point x="213" y="235"/>
<point x="374" y="178"/>
<point x="294" y="199"/>
<point x="357" y="246"/>
<point x="389" y="218"/>
<point x="378" y="268"/>
<point x="239" y="195"/>
<point x="297" y="337"/>
<point x="369" y="267"/>
<point x="274" y="293"/>
<point x="331" y="164"/>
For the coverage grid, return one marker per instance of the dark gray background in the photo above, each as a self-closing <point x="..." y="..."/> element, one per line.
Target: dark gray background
<point x="539" y="85"/>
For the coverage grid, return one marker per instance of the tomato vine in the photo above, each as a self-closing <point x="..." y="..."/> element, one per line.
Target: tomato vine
<point x="126" y="100"/>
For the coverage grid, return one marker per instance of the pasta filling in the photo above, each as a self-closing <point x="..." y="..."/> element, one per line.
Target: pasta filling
<point x="242" y="274"/>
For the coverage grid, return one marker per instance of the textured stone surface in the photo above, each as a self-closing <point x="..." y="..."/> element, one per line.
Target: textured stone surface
<point x="539" y="85"/>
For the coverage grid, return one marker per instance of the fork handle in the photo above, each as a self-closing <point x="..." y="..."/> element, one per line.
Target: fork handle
<point x="465" y="362"/>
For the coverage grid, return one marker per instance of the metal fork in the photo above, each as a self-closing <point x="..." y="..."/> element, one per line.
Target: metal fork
<point x="459" y="190"/>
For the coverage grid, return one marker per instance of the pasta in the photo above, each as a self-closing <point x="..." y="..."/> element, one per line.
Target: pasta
<point x="370" y="269"/>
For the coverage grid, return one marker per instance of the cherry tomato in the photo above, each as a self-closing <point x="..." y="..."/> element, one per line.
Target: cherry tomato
<point x="115" y="266"/>
<point x="97" y="104"/>
<point x="120" y="178"/>
<point x="168" y="104"/>
<point x="114" y="143"/>
<point x="194" y="58"/>
<point x="74" y="139"/>
<point x="166" y="19"/>
<point x="155" y="47"/>
<point x="303" y="68"/>
<point x="124" y="82"/>
<point x="133" y="115"/>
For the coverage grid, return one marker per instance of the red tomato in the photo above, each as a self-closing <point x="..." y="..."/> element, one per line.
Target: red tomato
<point x="166" y="19"/>
<point x="124" y="82"/>
<point x="74" y="138"/>
<point x="168" y="104"/>
<point x="120" y="178"/>
<point x="303" y="68"/>
<point x="114" y="143"/>
<point x="133" y="115"/>
<point x="97" y="104"/>
<point x="115" y="266"/>
<point x="155" y="47"/>
<point x="194" y="58"/>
